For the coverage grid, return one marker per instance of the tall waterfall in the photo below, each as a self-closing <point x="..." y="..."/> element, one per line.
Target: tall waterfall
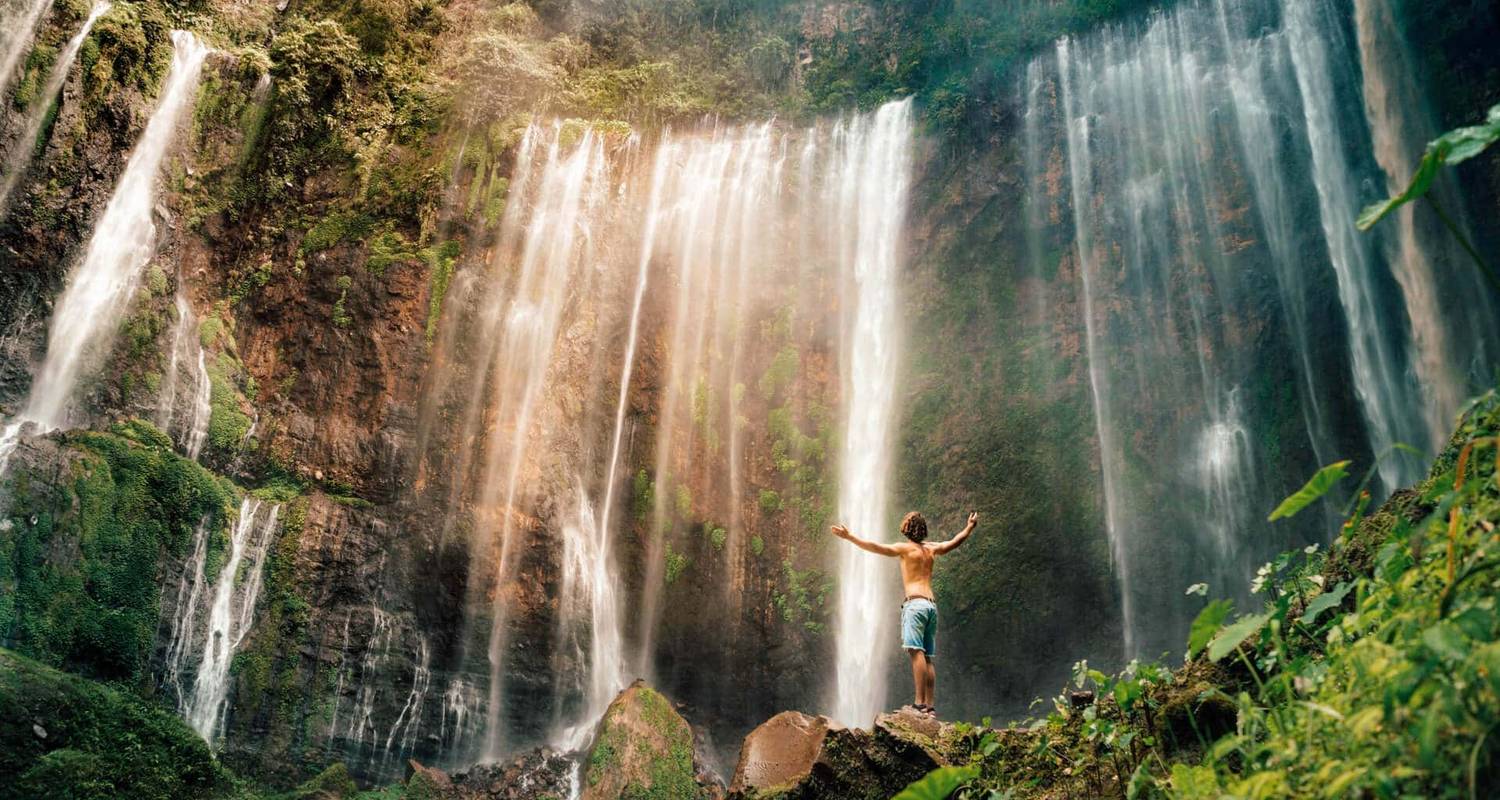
<point x="1191" y="147"/>
<point x="21" y="17"/>
<point x="25" y="146"/>
<point x="99" y="288"/>
<point x="190" y="418"/>
<point x="231" y="611"/>
<point x="710" y="221"/>
<point x="682" y="253"/>
<point x="869" y="177"/>
<point x="552" y="250"/>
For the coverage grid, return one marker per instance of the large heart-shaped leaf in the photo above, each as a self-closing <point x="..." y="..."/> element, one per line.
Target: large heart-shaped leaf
<point x="1325" y="601"/>
<point x="1453" y="147"/>
<point x="938" y="784"/>
<point x="1207" y="623"/>
<point x="1314" y="489"/>
<point x="1231" y="637"/>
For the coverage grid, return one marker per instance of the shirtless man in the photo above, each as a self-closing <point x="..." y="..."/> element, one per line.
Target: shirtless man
<point x="918" y="611"/>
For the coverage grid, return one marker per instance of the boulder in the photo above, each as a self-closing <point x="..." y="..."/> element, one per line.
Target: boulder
<point x="781" y="752"/>
<point x="794" y="756"/>
<point x="643" y="748"/>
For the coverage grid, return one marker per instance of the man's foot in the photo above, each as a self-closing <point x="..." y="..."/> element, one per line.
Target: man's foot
<point x="926" y="709"/>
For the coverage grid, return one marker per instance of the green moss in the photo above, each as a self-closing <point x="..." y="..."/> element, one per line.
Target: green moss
<point x="340" y="314"/>
<point x="676" y="564"/>
<point x="79" y="558"/>
<point x="440" y="260"/>
<point x="770" y="501"/>
<point x="757" y="545"/>
<point x="94" y="742"/>
<point x="642" y="495"/>
<point x="781" y="372"/>
<point x="683" y="502"/>
<point x="227" y="424"/>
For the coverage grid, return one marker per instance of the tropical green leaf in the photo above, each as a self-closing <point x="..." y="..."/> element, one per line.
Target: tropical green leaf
<point x="1231" y="637"/>
<point x="1453" y="147"/>
<point x="1325" y="601"/>
<point x="1208" y="622"/>
<point x="1314" y="489"/>
<point x="939" y="783"/>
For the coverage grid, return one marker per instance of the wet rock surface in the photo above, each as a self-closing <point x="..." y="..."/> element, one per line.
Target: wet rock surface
<point x="794" y="755"/>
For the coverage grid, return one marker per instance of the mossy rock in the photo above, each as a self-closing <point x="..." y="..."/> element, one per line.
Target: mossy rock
<point x="62" y="736"/>
<point x="643" y="751"/>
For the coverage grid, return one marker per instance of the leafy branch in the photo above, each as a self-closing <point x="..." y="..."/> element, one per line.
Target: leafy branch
<point x="1453" y="147"/>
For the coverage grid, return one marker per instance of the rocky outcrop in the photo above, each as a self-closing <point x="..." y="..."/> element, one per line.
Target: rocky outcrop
<point x="794" y="755"/>
<point x="643" y="748"/>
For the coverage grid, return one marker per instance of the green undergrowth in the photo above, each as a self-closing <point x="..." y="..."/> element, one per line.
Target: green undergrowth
<point x="1371" y="670"/>
<point x="69" y="738"/>
<point x="80" y="552"/>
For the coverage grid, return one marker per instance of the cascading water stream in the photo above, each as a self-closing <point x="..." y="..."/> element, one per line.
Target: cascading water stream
<point x="570" y="189"/>
<point x="1194" y="145"/>
<point x="714" y="210"/>
<point x="189" y="420"/>
<point x="190" y="585"/>
<point x="1392" y="408"/>
<point x="868" y="182"/>
<point x="25" y="146"/>
<point x="88" y="313"/>
<point x="230" y="615"/>
<point x="1400" y="127"/>
<point x="15" y="38"/>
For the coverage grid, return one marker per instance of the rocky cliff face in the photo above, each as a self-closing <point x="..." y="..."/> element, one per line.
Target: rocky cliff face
<point x="332" y="219"/>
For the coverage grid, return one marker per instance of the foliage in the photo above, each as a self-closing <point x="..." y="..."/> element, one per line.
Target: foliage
<point x="804" y="600"/>
<point x="676" y="564"/>
<point x="1454" y="147"/>
<point x="1390" y="695"/>
<point x="228" y="425"/>
<point x="1379" y="685"/>
<point x="62" y="736"/>
<point x="79" y="557"/>
<point x="938" y="784"/>
<point x="1315" y="488"/>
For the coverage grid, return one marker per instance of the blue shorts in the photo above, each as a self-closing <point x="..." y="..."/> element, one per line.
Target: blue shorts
<point x="919" y="626"/>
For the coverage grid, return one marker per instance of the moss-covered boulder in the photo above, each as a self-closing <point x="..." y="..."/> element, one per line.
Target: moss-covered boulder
<point x="62" y="736"/>
<point x="643" y="751"/>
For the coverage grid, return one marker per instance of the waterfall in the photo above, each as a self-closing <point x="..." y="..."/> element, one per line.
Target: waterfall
<point x="230" y="615"/>
<point x="590" y="593"/>
<point x="868" y="183"/>
<point x="25" y="147"/>
<point x="569" y="190"/>
<point x="1197" y="145"/>
<point x="184" y="617"/>
<point x="88" y="314"/>
<point x="1391" y="403"/>
<point x="191" y="421"/>
<point x="1400" y="127"/>
<point x="368" y="740"/>
<point x="15" y="39"/>
<point x="715" y="208"/>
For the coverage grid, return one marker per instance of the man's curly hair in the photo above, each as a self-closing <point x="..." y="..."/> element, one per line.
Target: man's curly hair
<point x="914" y="527"/>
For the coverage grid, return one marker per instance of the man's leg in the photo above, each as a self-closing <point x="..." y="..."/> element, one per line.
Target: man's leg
<point x="919" y="668"/>
<point x="930" y="682"/>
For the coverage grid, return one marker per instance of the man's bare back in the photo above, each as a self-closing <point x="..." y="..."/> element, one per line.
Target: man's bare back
<point x="916" y="557"/>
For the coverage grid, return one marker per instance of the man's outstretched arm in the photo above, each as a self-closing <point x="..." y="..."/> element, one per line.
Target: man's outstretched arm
<point x="952" y="544"/>
<point x="874" y="547"/>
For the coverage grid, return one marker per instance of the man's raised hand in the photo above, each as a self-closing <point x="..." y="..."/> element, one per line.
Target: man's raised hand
<point x="840" y="531"/>
<point x="973" y="518"/>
